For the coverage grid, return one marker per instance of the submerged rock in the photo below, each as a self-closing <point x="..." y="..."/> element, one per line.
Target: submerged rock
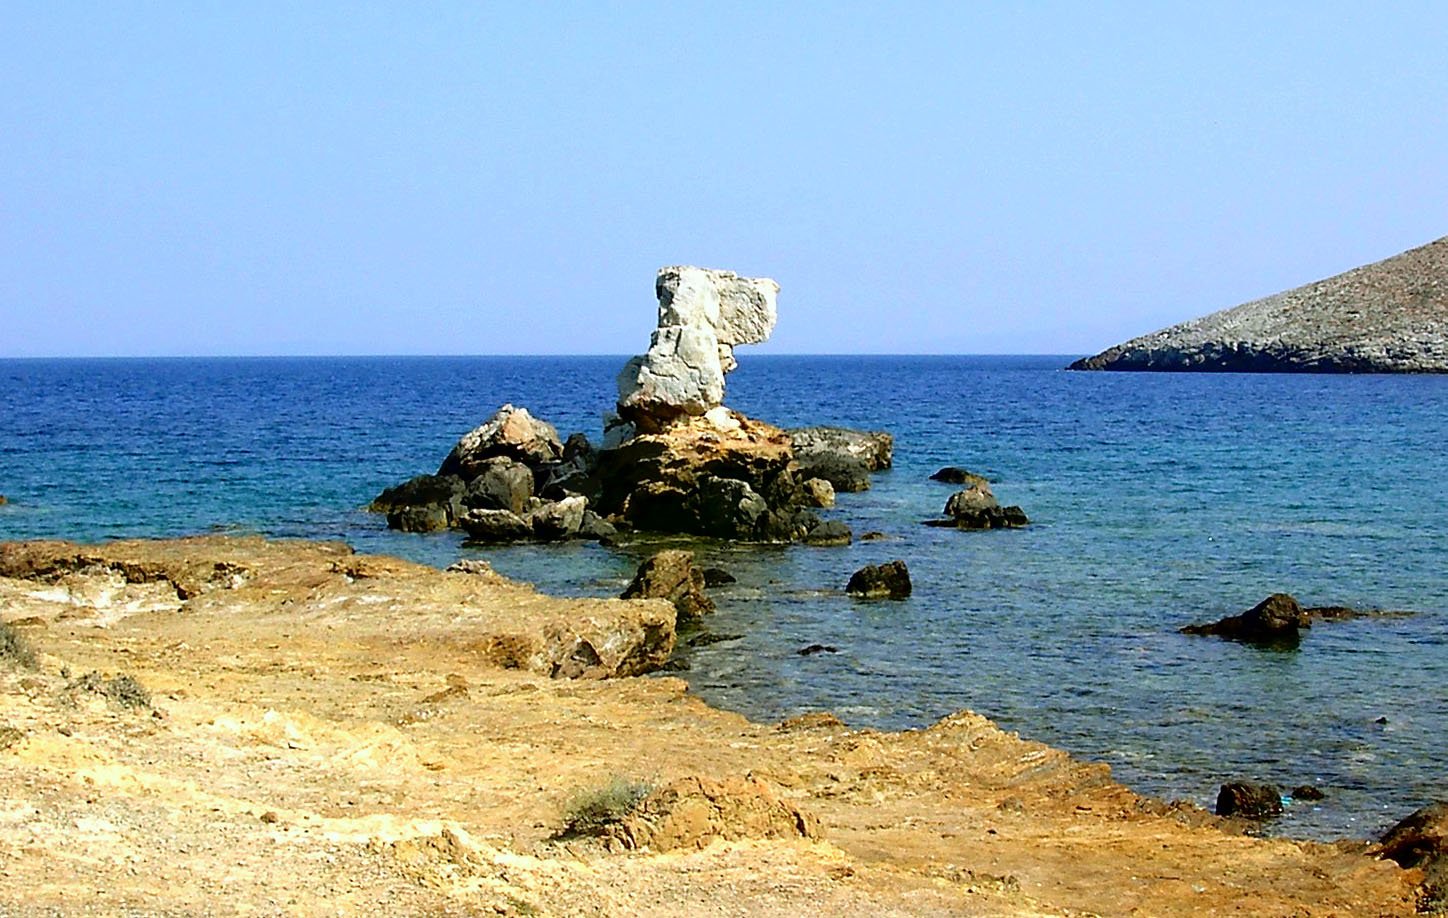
<point x="671" y="575"/>
<point x="884" y="581"/>
<point x="955" y="475"/>
<point x="427" y="503"/>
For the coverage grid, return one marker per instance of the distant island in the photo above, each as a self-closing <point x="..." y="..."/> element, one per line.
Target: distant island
<point x="1387" y="317"/>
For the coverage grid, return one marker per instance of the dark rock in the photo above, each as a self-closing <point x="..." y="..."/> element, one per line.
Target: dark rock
<point x="953" y="475"/>
<point x="1273" y="621"/>
<point x="874" y="535"/>
<point x="495" y="526"/>
<point x="844" y="472"/>
<point x="1250" y="801"/>
<point x="425" y="518"/>
<point x="501" y="484"/>
<point x="813" y="649"/>
<point x="885" y="581"/>
<point x="1307" y="792"/>
<point x="828" y="534"/>
<point x="872" y="447"/>
<point x="787" y="525"/>
<point x="729" y="508"/>
<point x="706" y="638"/>
<point x="972" y="500"/>
<point x="595" y="527"/>
<point x="442" y="490"/>
<point x="577" y="447"/>
<point x="714" y="577"/>
<point x="1420" y="840"/>
<point x="671" y="575"/>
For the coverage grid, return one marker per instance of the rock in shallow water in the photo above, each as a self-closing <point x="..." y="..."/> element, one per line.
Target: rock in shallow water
<point x="883" y="581"/>
<point x="977" y="508"/>
<point x="1249" y="801"/>
<point x="671" y="575"/>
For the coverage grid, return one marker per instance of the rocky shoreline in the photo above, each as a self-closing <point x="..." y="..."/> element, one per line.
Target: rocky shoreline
<point x="226" y="725"/>
<point x="1387" y="317"/>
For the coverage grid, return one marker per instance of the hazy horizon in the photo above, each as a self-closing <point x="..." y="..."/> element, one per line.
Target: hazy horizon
<point x="1052" y="178"/>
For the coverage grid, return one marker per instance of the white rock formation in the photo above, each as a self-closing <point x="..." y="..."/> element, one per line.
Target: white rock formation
<point x="703" y="315"/>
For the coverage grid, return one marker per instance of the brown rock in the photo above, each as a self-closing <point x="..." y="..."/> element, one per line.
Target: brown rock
<point x="692" y="812"/>
<point x="511" y="433"/>
<point x="885" y="581"/>
<point x="671" y="575"/>
<point x="1274" y="620"/>
<point x="1250" y="801"/>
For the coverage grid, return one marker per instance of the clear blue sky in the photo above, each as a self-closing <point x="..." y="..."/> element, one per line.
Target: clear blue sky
<point x="311" y="178"/>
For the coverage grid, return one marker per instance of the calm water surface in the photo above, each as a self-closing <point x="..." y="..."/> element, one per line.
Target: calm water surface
<point x="1157" y="500"/>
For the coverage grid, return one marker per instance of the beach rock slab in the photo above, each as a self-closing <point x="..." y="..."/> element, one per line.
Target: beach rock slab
<point x="671" y="575"/>
<point x="883" y="581"/>
<point x="1249" y="801"/>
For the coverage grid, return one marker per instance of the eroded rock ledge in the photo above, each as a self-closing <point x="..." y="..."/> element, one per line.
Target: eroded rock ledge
<point x="1387" y="317"/>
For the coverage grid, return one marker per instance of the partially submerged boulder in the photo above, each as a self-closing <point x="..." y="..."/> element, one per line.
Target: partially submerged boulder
<point x="843" y="457"/>
<point x="883" y="581"/>
<point x="1249" y="801"/>
<point x="976" y="507"/>
<point x="507" y="480"/>
<point x="1277" y="621"/>
<point x="671" y="575"/>
<point x="955" y="475"/>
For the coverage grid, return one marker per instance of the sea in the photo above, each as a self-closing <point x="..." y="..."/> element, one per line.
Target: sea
<point x="1156" y="501"/>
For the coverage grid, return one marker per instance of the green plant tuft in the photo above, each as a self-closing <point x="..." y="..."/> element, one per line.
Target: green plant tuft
<point x="592" y="811"/>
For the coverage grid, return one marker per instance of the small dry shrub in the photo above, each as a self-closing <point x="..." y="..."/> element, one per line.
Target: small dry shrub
<point x="124" y="690"/>
<point x="592" y="811"/>
<point x="14" y="647"/>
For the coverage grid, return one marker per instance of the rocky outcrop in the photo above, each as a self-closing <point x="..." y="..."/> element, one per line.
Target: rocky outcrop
<point x="703" y="315"/>
<point x="1277" y="621"/>
<point x="1386" y="317"/>
<point x="722" y="475"/>
<point x="1249" y="801"/>
<point x="671" y="575"/>
<point x="691" y="812"/>
<point x="890" y="580"/>
<point x="977" y="508"/>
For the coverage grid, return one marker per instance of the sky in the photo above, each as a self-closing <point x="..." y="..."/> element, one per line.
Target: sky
<point x="506" y="178"/>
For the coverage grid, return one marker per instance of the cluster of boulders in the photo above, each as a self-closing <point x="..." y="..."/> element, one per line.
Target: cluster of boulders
<point x="511" y="479"/>
<point x="674" y="459"/>
<point x="975" y="507"/>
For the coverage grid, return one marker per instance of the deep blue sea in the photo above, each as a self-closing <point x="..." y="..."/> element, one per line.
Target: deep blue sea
<point x="1157" y="500"/>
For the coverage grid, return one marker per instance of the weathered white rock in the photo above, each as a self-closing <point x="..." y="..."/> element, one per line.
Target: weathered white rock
<point x="703" y="315"/>
<point x="512" y="433"/>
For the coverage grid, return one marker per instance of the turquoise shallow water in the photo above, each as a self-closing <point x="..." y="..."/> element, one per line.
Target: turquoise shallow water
<point x="1157" y="500"/>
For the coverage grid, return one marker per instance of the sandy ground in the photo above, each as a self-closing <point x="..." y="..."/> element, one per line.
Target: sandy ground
<point x="332" y="735"/>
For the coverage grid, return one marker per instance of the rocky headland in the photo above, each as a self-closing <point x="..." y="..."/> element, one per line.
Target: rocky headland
<point x="1387" y="317"/>
<point x="227" y="726"/>
<point x="673" y="459"/>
